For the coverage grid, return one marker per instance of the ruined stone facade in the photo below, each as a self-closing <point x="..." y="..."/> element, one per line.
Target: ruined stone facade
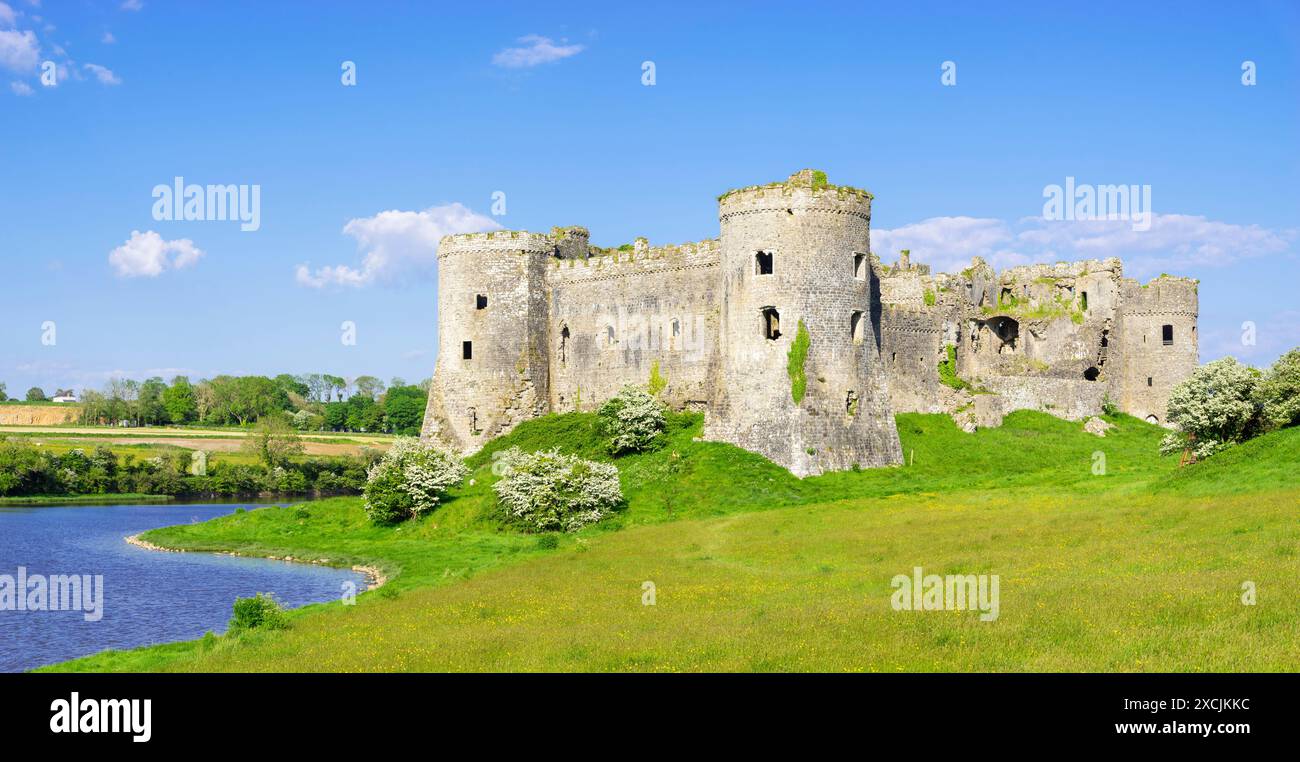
<point x="535" y="323"/>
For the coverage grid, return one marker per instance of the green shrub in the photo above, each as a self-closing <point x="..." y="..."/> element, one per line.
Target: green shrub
<point x="631" y="421"/>
<point x="260" y="612"/>
<point x="1213" y="408"/>
<point x="410" y="479"/>
<point x="1278" y="393"/>
<point x="549" y="491"/>
<point x="657" y="382"/>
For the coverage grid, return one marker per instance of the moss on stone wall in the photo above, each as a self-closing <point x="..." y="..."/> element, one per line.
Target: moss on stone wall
<point x="797" y="359"/>
<point x="948" y="370"/>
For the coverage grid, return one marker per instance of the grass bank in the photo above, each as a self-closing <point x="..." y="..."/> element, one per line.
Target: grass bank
<point x="1138" y="567"/>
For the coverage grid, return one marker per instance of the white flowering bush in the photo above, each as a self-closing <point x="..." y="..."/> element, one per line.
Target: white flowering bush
<point x="1213" y="408"/>
<point x="548" y="491"/>
<point x="410" y="479"/>
<point x="631" y="421"/>
<point x="1279" y="391"/>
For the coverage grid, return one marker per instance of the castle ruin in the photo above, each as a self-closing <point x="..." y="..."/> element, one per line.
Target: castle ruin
<point x="790" y="335"/>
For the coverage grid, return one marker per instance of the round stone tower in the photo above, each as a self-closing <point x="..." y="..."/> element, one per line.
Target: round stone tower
<point x="799" y="377"/>
<point x="491" y="371"/>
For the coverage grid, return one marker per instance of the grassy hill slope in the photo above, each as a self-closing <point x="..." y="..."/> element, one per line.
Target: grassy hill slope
<point x="1140" y="568"/>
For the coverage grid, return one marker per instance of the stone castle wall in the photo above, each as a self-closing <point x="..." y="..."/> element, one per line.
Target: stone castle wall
<point x="614" y="316"/>
<point x="534" y="323"/>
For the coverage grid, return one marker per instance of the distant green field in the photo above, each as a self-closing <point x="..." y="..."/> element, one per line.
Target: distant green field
<point x="1139" y="568"/>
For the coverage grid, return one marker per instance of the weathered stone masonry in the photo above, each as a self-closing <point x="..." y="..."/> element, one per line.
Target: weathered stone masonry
<point x="535" y="323"/>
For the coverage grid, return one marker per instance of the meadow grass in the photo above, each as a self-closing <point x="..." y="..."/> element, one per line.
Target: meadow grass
<point x="1137" y="569"/>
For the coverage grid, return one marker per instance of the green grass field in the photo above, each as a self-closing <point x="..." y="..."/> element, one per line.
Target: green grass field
<point x="1138" y="569"/>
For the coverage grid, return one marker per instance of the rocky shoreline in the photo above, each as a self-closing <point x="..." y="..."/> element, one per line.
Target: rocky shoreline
<point x="374" y="575"/>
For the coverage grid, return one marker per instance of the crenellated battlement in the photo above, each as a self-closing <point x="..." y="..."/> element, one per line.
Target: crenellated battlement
<point x="806" y="191"/>
<point x="568" y="324"/>
<point x="505" y="241"/>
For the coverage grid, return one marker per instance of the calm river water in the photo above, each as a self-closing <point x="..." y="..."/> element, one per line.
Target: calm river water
<point x="148" y="596"/>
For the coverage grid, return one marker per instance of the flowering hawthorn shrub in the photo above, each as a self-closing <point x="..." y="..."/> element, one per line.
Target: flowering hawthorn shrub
<point x="548" y="491"/>
<point x="411" y="478"/>
<point x="632" y="420"/>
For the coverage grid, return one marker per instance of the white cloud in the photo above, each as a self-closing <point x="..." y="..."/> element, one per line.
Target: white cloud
<point x="103" y="74"/>
<point x="132" y="5"/>
<point x="1175" y="242"/>
<point x="19" y="51"/>
<point x="534" y="51"/>
<point x="7" y="15"/>
<point x="21" y="88"/>
<point x="108" y="38"/>
<point x="397" y="245"/>
<point x="148" y="255"/>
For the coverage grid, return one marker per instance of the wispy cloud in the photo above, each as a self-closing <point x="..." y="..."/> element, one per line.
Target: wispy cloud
<point x="7" y="15"/>
<point x="132" y="5"/>
<point x="103" y="74"/>
<point x="108" y="38"/>
<point x="534" y="51"/>
<point x="397" y="245"/>
<point x="148" y="255"/>
<point x="19" y="51"/>
<point x="21" y="88"/>
<point x="1174" y="242"/>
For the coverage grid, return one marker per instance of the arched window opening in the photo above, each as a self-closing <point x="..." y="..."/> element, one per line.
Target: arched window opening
<point x="855" y="326"/>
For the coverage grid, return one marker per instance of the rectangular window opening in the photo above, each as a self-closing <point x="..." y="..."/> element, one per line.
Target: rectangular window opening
<point x="467" y="350"/>
<point x="480" y="302"/>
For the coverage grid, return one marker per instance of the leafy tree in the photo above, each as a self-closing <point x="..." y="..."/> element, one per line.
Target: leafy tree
<point x="251" y="398"/>
<point x="337" y="385"/>
<point x="178" y="401"/>
<point x="1278" y="394"/>
<point x="4" y="395"/>
<point x="369" y="386"/>
<point x="404" y="409"/>
<point x="336" y="416"/>
<point x="150" y="403"/>
<point x="274" y="440"/>
<point x="35" y="394"/>
<point x="1213" y="408"/>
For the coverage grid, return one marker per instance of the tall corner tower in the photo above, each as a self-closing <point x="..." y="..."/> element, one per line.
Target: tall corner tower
<point x="492" y="337"/>
<point x="799" y="377"/>
<point x="1157" y="343"/>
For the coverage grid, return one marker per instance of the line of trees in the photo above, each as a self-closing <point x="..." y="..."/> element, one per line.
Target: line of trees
<point x="34" y="394"/>
<point x="313" y="402"/>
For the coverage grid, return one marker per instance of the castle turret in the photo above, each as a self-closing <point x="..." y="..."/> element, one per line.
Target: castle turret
<point x="799" y="378"/>
<point x="1157" y="343"/>
<point x="492" y="336"/>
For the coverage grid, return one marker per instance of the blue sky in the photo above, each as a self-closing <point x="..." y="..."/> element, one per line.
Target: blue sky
<point x="545" y="103"/>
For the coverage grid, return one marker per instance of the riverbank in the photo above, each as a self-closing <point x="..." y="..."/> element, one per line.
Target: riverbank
<point x="375" y="576"/>
<point x="120" y="498"/>
<point x="723" y="561"/>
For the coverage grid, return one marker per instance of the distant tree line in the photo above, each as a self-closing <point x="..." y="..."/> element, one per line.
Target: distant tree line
<point x="26" y="469"/>
<point x="313" y="402"/>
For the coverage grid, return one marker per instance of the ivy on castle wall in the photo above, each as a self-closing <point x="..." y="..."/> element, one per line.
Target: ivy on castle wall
<point x="797" y="359"/>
